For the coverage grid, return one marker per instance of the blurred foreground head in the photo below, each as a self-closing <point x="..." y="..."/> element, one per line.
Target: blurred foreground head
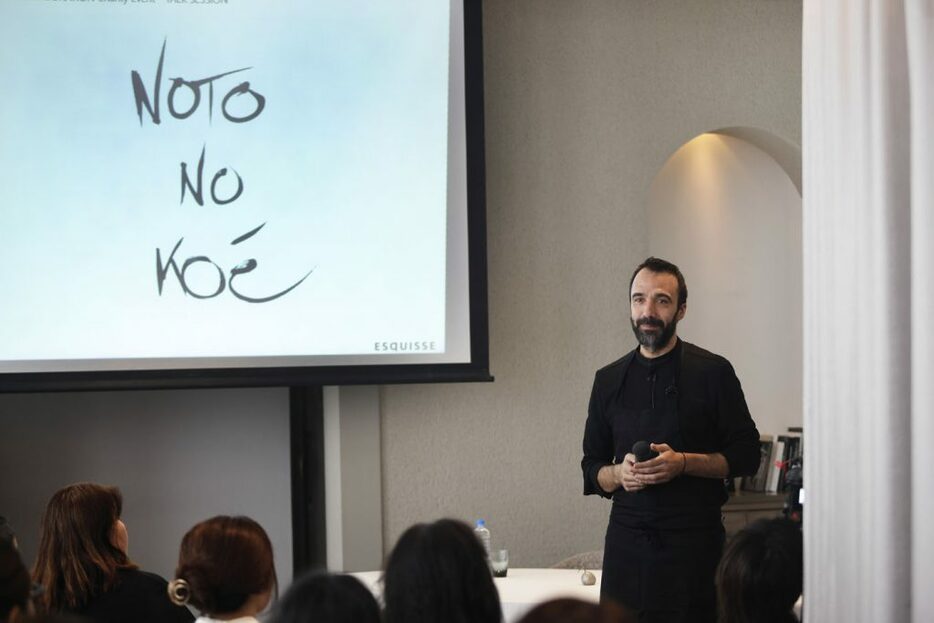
<point x="761" y="573"/>
<point x="327" y="598"/>
<point x="569" y="610"/>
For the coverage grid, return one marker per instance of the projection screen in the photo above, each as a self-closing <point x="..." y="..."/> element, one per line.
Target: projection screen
<point x="230" y="192"/>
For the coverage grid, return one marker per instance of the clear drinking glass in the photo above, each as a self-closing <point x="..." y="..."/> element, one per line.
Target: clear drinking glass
<point x="499" y="560"/>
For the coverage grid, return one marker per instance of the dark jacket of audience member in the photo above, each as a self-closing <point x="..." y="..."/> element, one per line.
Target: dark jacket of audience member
<point x="83" y="565"/>
<point x="438" y="573"/>
<point x="761" y="573"/>
<point x="327" y="598"/>
<point x="225" y="568"/>
<point x="568" y="610"/>
<point x="15" y="583"/>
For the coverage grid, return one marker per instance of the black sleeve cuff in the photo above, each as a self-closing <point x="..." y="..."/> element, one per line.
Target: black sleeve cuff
<point x="591" y="484"/>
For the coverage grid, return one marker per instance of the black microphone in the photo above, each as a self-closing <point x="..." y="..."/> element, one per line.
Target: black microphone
<point x="643" y="451"/>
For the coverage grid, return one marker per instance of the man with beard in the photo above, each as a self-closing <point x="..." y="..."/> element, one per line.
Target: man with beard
<point x="665" y="533"/>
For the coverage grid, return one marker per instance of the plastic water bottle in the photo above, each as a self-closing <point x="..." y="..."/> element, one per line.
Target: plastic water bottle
<point x="483" y="533"/>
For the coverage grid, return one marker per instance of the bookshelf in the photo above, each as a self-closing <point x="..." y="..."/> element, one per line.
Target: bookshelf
<point x="744" y="507"/>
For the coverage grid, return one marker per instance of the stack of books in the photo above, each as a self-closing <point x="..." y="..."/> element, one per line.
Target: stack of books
<point x="774" y="456"/>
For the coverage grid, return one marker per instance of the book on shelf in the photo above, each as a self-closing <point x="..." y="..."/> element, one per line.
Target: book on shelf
<point x="798" y="433"/>
<point x="776" y="465"/>
<point x="791" y="450"/>
<point x="757" y="482"/>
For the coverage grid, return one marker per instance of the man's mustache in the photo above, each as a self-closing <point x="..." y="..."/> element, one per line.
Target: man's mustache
<point x="652" y="322"/>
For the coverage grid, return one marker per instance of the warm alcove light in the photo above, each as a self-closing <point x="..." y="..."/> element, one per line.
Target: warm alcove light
<point x="729" y="214"/>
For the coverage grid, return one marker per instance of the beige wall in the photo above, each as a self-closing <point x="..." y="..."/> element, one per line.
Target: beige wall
<point x="585" y="101"/>
<point x="727" y="210"/>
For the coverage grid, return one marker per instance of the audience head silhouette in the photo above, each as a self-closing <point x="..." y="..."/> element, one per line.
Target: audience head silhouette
<point x="82" y="546"/>
<point x="15" y="583"/>
<point x="225" y="568"/>
<point x="6" y="533"/>
<point x="568" y="610"/>
<point x="52" y="617"/>
<point x="761" y="573"/>
<point x="327" y="598"/>
<point x="438" y="572"/>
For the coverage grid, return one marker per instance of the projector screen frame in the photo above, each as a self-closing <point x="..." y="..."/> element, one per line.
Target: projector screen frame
<point x="477" y="370"/>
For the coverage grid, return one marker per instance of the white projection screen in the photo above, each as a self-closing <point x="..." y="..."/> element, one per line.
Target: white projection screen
<point x="241" y="192"/>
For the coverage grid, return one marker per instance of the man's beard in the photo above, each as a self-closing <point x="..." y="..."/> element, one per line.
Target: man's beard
<point x="654" y="342"/>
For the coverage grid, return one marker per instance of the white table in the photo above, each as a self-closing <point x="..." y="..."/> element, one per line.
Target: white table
<point x="521" y="589"/>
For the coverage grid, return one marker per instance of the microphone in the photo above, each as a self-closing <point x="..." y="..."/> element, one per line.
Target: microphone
<point x="643" y="451"/>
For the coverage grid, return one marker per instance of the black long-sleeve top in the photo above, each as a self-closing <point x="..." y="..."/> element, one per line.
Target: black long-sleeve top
<point x="138" y="597"/>
<point x="712" y="416"/>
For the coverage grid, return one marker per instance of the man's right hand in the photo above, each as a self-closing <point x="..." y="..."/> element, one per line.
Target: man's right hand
<point x="612" y="477"/>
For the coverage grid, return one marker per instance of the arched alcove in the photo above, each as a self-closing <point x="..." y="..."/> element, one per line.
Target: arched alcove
<point x="726" y="207"/>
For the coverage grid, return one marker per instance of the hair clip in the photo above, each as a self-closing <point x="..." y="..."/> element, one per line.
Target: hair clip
<point x="179" y="592"/>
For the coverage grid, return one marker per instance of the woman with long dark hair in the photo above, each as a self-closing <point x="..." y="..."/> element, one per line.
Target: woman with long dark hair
<point x="438" y="573"/>
<point x="225" y="570"/>
<point x="84" y="567"/>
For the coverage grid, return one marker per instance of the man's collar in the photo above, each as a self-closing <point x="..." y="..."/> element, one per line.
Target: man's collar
<point x="654" y="362"/>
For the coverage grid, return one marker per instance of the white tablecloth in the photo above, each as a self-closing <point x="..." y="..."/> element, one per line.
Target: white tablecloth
<point x="521" y="589"/>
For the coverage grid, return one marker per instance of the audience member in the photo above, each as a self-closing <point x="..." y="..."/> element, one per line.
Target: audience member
<point x="760" y="575"/>
<point x="6" y="533"/>
<point x="438" y="573"/>
<point x="327" y="598"/>
<point x="568" y="610"/>
<point x="14" y="584"/>
<point x="54" y="618"/>
<point x="83" y="564"/>
<point x="225" y="570"/>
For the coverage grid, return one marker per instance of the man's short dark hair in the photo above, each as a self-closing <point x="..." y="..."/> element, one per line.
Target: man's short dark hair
<point x="658" y="265"/>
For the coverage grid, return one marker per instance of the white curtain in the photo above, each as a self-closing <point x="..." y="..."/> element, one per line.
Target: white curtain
<point x="868" y="166"/>
<point x="920" y="17"/>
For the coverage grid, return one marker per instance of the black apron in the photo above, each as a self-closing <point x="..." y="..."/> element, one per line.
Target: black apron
<point x="661" y="551"/>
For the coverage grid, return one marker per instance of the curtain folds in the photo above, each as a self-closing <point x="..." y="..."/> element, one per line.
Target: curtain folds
<point x="920" y="20"/>
<point x="868" y="166"/>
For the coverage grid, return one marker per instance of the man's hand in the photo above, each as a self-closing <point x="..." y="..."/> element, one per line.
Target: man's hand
<point x="612" y="477"/>
<point x="668" y="465"/>
<point x="625" y="474"/>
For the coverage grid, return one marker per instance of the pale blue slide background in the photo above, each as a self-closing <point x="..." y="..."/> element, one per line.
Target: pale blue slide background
<point x="347" y="167"/>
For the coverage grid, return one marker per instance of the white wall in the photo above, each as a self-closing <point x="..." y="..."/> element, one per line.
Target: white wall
<point x="585" y="102"/>
<point x="178" y="457"/>
<point x="352" y="472"/>
<point x="729" y="215"/>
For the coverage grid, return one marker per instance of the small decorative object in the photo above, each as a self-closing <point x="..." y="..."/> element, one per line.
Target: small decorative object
<point x="588" y="578"/>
